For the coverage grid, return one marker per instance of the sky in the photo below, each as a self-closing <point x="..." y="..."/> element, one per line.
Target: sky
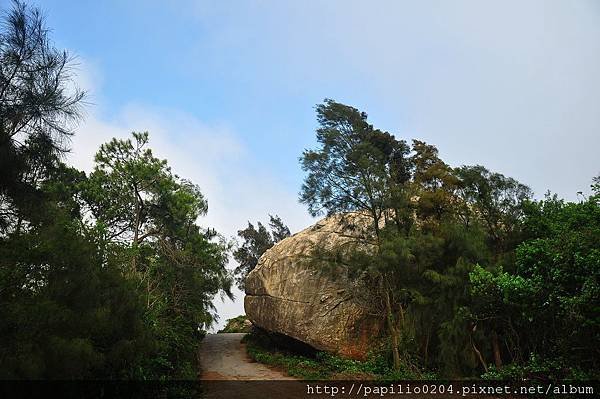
<point x="227" y="89"/>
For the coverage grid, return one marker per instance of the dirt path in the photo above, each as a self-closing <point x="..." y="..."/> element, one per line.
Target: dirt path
<point x="224" y="357"/>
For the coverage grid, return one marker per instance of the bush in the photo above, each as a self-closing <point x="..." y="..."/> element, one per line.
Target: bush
<point x="538" y="370"/>
<point x="239" y="324"/>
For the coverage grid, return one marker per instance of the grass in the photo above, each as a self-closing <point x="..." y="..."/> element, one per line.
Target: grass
<point x="322" y="365"/>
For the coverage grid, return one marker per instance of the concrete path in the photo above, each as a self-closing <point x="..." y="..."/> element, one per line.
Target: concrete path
<point x="224" y="357"/>
<point x="228" y="372"/>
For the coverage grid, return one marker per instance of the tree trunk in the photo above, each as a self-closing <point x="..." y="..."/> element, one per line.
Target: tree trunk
<point x="496" y="349"/>
<point x="136" y="233"/>
<point x="19" y="222"/>
<point x="479" y="356"/>
<point x="395" y="353"/>
<point x="148" y="293"/>
<point x="393" y="331"/>
<point x="426" y="354"/>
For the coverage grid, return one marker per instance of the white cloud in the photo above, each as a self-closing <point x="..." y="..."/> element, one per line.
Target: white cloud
<point x="237" y="186"/>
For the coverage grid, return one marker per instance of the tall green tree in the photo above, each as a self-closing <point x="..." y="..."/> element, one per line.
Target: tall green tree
<point x="147" y="213"/>
<point x="355" y="166"/>
<point x="359" y="168"/>
<point x="147" y="220"/>
<point x="102" y="277"/>
<point x="255" y="242"/>
<point x="38" y="105"/>
<point x="496" y="201"/>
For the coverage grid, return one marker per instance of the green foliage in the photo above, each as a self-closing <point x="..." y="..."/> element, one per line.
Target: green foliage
<point x="65" y="312"/>
<point x="355" y="167"/>
<point x="255" y="242"/>
<point x="554" y="294"/>
<point x="95" y="304"/>
<point x="499" y="202"/>
<point x="66" y="317"/>
<point x="536" y="369"/>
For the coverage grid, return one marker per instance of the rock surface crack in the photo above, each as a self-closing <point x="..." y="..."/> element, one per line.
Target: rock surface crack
<point x="277" y="297"/>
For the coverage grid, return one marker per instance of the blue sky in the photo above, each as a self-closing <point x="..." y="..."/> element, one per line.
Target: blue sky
<point x="227" y="88"/>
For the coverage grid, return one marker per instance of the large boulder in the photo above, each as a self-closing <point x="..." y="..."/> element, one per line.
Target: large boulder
<point x="292" y="292"/>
